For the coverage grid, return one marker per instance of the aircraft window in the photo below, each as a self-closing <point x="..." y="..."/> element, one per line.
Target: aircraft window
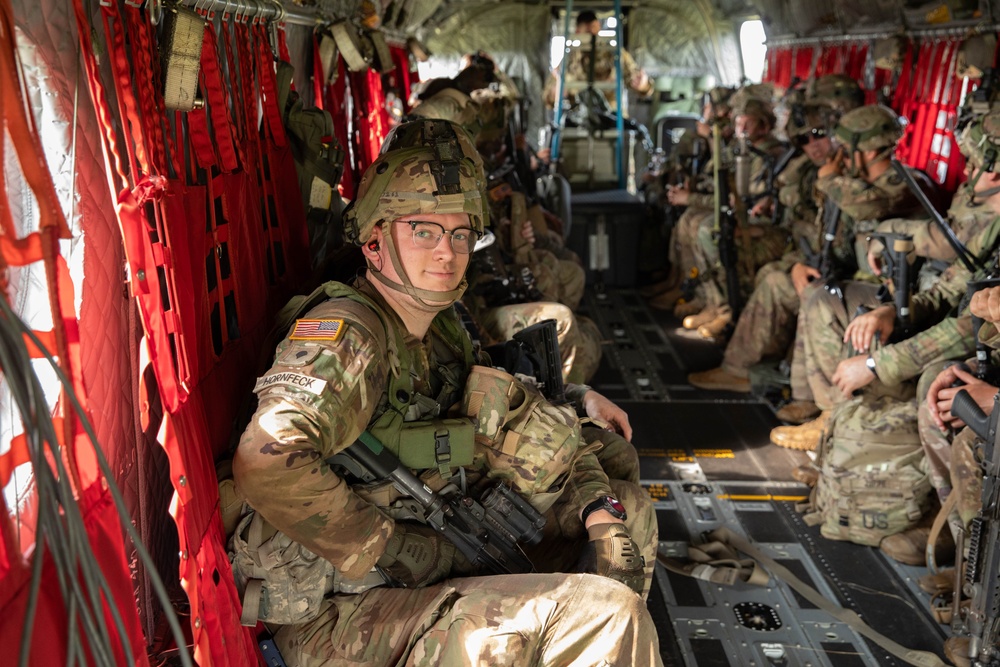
<point x="752" y="45"/>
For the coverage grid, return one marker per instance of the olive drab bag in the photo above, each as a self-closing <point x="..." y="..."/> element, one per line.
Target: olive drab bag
<point x="872" y="480"/>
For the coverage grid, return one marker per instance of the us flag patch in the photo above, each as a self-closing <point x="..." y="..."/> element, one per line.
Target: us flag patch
<point x="317" y="329"/>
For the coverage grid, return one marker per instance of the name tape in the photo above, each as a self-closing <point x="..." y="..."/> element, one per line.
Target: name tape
<point x="297" y="380"/>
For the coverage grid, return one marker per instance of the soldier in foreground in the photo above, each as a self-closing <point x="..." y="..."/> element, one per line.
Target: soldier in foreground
<point x="414" y="598"/>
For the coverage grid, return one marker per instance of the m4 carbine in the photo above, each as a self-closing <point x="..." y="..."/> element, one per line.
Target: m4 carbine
<point x="982" y="572"/>
<point x="487" y="531"/>
<point x="896" y="249"/>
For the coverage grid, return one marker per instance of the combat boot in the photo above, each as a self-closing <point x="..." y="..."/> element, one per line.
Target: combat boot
<point x="797" y="412"/>
<point x="704" y="317"/>
<point x="719" y="380"/>
<point x="956" y="649"/>
<point x="716" y="327"/>
<point x="666" y="300"/>
<point x="910" y="546"/>
<point x="685" y="308"/>
<point x="807" y="474"/>
<point x="804" y="438"/>
<point x="942" y="581"/>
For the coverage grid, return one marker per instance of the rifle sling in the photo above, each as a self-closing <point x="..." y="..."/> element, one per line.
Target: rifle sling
<point x="724" y="537"/>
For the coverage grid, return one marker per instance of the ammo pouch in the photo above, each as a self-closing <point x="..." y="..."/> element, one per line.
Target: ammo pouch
<point x="872" y="483"/>
<point x="281" y="581"/>
<point x="521" y="438"/>
<point x="440" y="443"/>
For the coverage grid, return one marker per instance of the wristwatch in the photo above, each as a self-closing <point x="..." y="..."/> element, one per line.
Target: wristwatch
<point x="609" y="504"/>
<point x="870" y="365"/>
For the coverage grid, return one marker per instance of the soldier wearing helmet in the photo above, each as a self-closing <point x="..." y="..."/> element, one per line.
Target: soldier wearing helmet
<point x="837" y="91"/>
<point x="388" y="356"/>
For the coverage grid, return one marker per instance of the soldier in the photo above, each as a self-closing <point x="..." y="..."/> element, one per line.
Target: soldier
<point x="418" y="213"/>
<point x="869" y="191"/>
<point x="451" y="98"/>
<point x="766" y="327"/>
<point x="694" y="195"/>
<point x="757" y="241"/>
<point x="578" y="65"/>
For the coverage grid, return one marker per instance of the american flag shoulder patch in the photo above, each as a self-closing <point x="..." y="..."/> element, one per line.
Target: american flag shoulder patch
<point x="317" y="329"/>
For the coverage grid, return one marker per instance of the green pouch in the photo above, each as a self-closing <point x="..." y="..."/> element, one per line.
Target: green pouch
<point x="441" y="443"/>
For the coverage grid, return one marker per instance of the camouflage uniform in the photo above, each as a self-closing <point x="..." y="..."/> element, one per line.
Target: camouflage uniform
<point x="329" y="385"/>
<point x="578" y="70"/>
<point x="817" y="351"/>
<point x="579" y="337"/>
<point x="452" y="104"/>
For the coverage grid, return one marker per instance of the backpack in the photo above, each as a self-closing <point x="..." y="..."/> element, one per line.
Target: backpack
<point x="872" y="480"/>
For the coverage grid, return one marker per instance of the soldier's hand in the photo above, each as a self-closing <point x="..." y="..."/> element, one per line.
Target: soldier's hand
<point x="528" y="232"/>
<point x="863" y="328"/>
<point x="852" y="374"/>
<point x="612" y="553"/>
<point x="985" y="303"/>
<point x="678" y="196"/>
<point x="834" y="166"/>
<point x="417" y="556"/>
<point x="598" y="406"/>
<point x="941" y="395"/>
<point x="802" y="275"/>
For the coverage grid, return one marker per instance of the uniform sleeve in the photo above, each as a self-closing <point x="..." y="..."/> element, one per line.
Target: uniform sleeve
<point x="989" y="335"/>
<point x="859" y="199"/>
<point x="702" y="200"/>
<point x="588" y="483"/>
<point x="928" y="239"/>
<point x="316" y="400"/>
<point x="949" y="339"/>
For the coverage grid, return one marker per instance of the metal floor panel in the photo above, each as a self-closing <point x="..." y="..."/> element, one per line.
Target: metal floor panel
<point x="706" y="459"/>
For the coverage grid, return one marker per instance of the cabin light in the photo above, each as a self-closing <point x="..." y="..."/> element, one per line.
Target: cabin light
<point x="613" y="42"/>
<point x="612" y="22"/>
<point x="607" y="33"/>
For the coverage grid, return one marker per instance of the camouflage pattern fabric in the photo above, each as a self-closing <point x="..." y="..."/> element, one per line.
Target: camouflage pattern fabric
<point x="579" y="339"/>
<point x="617" y="456"/>
<point x="936" y="445"/>
<point x="454" y="105"/>
<point x="577" y="619"/>
<point x="766" y="326"/>
<point x="578" y="68"/>
<point x="871" y="481"/>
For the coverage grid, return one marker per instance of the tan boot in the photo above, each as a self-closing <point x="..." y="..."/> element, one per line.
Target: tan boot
<point x="910" y="546"/>
<point x="719" y="380"/>
<point x="666" y="300"/>
<point x="807" y="474"/>
<point x="685" y="308"/>
<point x="704" y="317"/>
<point x="956" y="649"/>
<point x="798" y="412"/>
<point x="942" y="581"/>
<point x="804" y="438"/>
<point x="717" y="326"/>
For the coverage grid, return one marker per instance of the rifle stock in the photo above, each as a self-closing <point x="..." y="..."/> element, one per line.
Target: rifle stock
<point x="896" y="249"/>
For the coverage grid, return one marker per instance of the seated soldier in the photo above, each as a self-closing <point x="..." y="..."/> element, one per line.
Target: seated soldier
<point x="344" y="370"/>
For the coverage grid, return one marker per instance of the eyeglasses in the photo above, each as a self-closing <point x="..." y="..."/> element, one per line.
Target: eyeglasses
<point x="805" y="139"/>
<point x="427" y="235"/>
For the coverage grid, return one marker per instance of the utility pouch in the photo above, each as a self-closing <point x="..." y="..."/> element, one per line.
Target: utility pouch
<point x="441" y="443"/>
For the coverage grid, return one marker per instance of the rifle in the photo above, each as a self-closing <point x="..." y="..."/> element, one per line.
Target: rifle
<point x="895" y="249"/>
<point x="540" y="344"/>
<point x="982" y="572"/>
<point x="774" y="169"/>
<point x="487" y="532"/>
<point x="501" y="287"/>
<point x="725" y="224"/>
<point x="963" y="253"/>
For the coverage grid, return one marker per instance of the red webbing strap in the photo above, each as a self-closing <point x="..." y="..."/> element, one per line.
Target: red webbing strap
<point x="123" y="89"/>
<point x="212" y="243"/>
<point x="218" y="101"/>
<point x="283" y="44"/>
<point x="248" y="93"/>
<point x="318" y="78"/>
<point x="268" y="86"/>
<point x="233" y="91"/>
<point x="403" y="74"/>
<point x="152" y="116"/>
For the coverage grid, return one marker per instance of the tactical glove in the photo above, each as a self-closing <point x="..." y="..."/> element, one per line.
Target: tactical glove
<point x="612" y="553"/>
<point x="416" y="556"/>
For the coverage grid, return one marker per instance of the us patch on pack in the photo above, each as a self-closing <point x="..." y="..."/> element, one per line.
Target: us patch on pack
<point x="317" y="329"/>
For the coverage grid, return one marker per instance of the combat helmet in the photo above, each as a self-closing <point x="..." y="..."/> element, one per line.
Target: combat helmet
<point x="838" y="91"/>
<point x="425" y="166"/>
<point x="980" y="144"/>
<point x="869" y="128"/>
<point x="756" y="108"/>
<point x="810" y="117"/>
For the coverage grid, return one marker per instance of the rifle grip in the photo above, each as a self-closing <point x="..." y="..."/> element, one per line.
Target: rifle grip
<point x="966" y="409"/>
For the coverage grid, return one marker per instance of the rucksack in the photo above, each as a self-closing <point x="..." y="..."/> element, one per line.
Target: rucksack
<point x="872" y="479"/>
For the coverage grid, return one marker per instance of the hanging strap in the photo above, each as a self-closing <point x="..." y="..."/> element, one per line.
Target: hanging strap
<point x="731" y="541"/>
<point x="218" y="101"/>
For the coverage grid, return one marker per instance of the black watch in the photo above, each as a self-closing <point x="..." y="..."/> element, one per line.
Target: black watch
<point x="609" y="504"/>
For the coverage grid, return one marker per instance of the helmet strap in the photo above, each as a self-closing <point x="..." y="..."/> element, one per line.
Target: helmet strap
<point x="426" y="298"/>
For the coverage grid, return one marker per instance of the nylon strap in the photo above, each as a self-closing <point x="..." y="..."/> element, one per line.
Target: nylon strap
<point x="910" y="656"/>
<point x="218" y="101"/>
<point x="939" y="522"/>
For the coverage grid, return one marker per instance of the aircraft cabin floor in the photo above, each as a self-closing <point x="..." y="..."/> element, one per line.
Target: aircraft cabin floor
<point x="707" y="461"/>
